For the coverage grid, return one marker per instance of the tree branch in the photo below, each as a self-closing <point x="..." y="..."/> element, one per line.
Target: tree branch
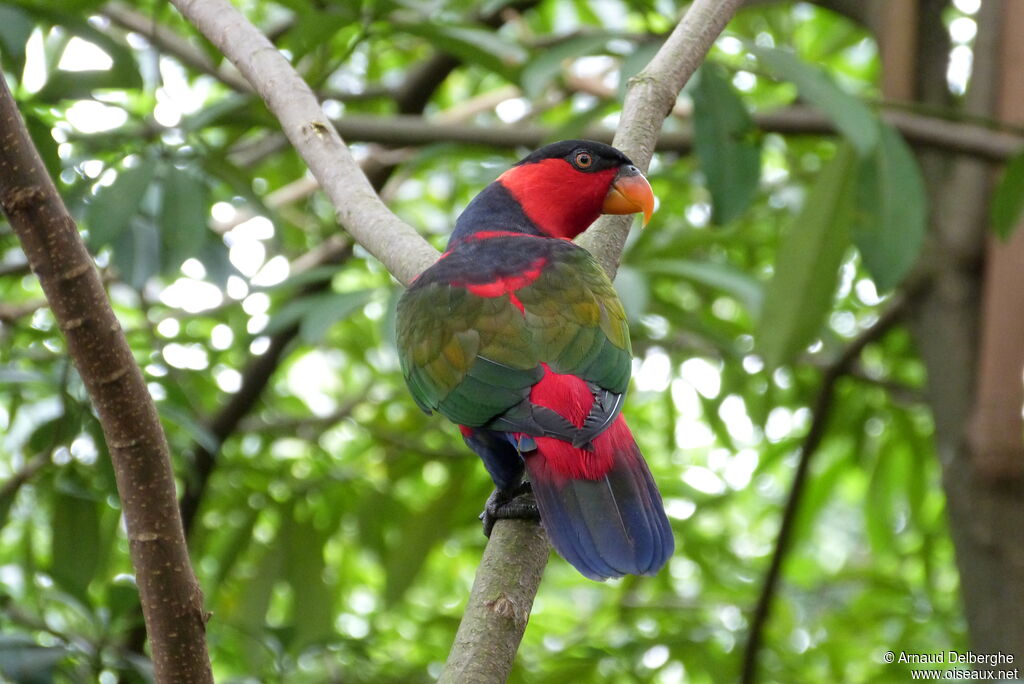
<point x="172" y="602"/>
<point x="499" y="604"/>
<point x="919" y="130"/>
<point x="821" y="413"/>
<point x="170" y="42"/>
<point x="411" y="97"/>
<point x="402" y="251"/>
<point x="650" y="97"/>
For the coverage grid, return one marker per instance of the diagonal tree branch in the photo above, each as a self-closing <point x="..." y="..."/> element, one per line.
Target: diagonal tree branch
<point x="172" y="602"/>
<point x="650" y="98"/>
<point x="169" y="41"/>
<point x="392" y="241"/>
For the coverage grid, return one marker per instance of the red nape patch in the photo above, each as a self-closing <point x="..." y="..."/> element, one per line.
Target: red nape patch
<point x="466" y="431"/>
<point x="562" y="200"/>
<point x="509" y="284"/>
<point x="570" y="397"/>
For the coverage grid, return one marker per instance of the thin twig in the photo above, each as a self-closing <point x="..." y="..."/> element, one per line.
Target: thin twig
<point x="920" y="130"/>
<point x="17" y="479"/>
<point x="821" y="413"/>
<point x="170" y="42"/>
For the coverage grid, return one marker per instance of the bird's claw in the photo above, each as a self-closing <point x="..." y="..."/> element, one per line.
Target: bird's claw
<point x="517" y="503"/>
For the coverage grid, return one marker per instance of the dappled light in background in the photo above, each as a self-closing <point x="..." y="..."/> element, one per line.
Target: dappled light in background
<point x="337" y="535"/>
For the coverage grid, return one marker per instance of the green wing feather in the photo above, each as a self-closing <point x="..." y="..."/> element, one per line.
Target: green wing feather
<point x="472" y="358"/>
<point x="578" y="322"/>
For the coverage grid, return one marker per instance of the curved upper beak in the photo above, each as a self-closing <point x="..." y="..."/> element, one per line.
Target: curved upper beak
<point x="630" y="193"/>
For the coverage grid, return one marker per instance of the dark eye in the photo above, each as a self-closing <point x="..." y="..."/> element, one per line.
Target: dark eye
<point x="583" y="160"/>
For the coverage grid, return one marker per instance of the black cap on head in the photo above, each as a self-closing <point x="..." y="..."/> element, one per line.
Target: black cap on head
<point x="601" y="156"/>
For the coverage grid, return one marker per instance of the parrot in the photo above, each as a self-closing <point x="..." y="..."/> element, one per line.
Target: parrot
<point x="517" y="335"/>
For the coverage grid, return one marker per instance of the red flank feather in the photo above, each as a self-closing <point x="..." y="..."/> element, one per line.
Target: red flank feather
<point x="570" y="397"/>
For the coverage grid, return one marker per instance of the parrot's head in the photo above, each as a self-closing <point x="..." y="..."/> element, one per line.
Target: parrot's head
<point x="565" y="186"/>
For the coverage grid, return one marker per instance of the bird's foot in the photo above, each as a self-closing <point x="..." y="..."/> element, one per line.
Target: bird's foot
<point x="517" y="503"/>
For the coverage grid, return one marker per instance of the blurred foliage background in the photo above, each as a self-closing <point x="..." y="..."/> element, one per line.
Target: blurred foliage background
<point x="332" y="525"/>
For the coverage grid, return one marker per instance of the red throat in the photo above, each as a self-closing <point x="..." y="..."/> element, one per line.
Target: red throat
<point x="561" y="200"/>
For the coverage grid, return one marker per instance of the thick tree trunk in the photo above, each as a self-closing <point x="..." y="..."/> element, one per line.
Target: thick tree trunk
<point x="172" y="603"/>
<point x="985" y="481"/>
<point x="973" y="354"/>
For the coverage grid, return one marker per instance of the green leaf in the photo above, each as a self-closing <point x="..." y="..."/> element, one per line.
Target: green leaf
<point x="288" y="315"/>
<point x="61" y="430"/>
<point x="472" y="45"/>
<point x="215" y="259"/>
<point x="15" y="29"/>
<point x="879" y="509"/>
<point x="25" y="662"/>
<point x="256" y="589"/>
<point x="80" y="85"/>
<point x="726" y="143"/>
<point x="183" y="215"/>
<point x="852" y="117"/>
<point x="741" y="286"/>
<point x="111" y="210"/>
<point x="137" y="252"/>
<point x="316" y="26"/>
<point x="315" y="314"/>
<point x="891" y="213"/>
<point x="75" y="542"/>
<point x="235" y="540"/>
<point x="328" y="310"/>
<point x="799" y="296"/>
<point x="196" y="430"/>
<point x="313" y="275"/>
<point x="1008" y="200"/>
<point x="422" y="530"/>
<point x="313" y="597"/>
<point x="546" y="65"/>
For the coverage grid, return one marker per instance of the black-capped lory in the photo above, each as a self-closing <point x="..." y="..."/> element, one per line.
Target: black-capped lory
<point x="517" y="335"/>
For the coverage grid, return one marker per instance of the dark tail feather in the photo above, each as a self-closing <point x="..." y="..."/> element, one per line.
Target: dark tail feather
<point x="606" y="527"/>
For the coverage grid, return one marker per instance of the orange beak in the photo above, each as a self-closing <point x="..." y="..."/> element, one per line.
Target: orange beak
<point x="630" y="193"/>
